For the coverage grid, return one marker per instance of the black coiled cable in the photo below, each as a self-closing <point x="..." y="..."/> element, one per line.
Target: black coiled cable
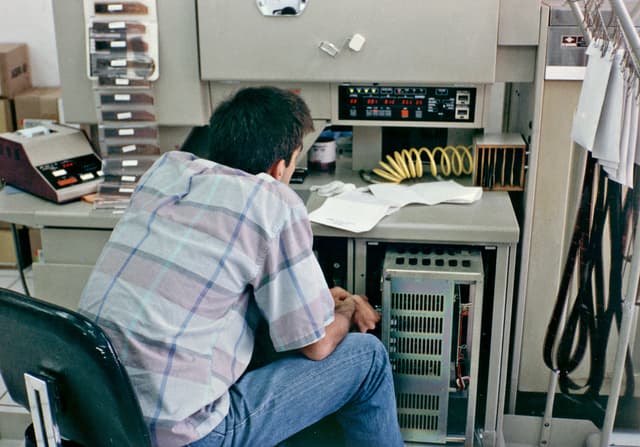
<point x="590" y="318"/>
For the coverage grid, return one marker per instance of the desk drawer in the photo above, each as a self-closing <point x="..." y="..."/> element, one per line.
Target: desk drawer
<point x="60" y="284"/>
<point x="73" y="245"/>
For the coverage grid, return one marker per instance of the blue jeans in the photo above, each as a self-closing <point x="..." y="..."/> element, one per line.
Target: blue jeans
<point x="272" y="403"/>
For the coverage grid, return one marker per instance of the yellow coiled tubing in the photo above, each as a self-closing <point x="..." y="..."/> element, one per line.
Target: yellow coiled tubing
<point x="407" y="163"/>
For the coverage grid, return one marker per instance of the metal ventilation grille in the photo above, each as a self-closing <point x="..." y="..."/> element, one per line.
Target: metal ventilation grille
<point x="419" y="324"/>
<point x="419" y="411"/>
<point x="418" y="302"/>
<point x="417" y="367"/>
<point x="419" y="421"/>
<point x="418" y="401"/>
<point x="421" y="346"/>
<point x="418" y="336"/>
<point x="422" y="292"/>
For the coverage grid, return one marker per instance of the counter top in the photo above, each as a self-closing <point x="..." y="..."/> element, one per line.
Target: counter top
<point x="25" y="209"/>
<point x="490" y="220"/>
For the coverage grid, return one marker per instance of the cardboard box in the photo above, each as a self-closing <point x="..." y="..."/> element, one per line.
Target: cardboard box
<point x="30" y="244"/>
<point x="15" y="74"/>
<point x="37" y="103"/>
<point x="7" y="252"/>
<point x="7" y="120"/>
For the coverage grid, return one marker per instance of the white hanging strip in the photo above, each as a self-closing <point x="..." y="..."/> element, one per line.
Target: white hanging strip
<point x="606" y="147"/>
<point x="627" y="138"/>
<point x="592" y="95"/>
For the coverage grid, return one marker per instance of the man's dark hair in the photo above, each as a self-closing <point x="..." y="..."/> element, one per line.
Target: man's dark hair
<point x="257" y="127"/>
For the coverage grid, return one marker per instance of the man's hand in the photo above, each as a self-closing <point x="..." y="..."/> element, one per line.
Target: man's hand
<point x="365" y="316"/>
<point x="338" y="294"/>
<point x="346" y="306"/>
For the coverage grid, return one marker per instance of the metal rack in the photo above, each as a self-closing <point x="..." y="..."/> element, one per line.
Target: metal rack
<point x="590" y="19"/>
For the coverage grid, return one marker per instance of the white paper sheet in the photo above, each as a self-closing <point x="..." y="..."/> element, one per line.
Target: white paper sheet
<point x="430" y="193"/>
<point x="349" y="215"/>
<point x="359" y="211"/>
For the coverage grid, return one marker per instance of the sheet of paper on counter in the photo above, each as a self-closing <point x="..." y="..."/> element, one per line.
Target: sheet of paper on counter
<point x="359" y="211"/>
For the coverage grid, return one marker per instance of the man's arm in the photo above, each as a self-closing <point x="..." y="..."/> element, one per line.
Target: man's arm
<point x="334" y="332"/>
<point x="349" y="309"/>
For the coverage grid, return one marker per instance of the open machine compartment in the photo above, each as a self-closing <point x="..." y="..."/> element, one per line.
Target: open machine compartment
<point x="435" y="325"/>
<point x="429" y="297"/>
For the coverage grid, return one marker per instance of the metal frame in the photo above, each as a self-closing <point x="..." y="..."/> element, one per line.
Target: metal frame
<point x="629" y="305"/>
<point x="41" y="407"/>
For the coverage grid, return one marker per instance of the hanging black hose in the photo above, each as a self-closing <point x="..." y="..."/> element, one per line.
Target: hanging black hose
<point x="589" y="320"/>
<point x="581" y="318"/>
<point x="578" y="239"/>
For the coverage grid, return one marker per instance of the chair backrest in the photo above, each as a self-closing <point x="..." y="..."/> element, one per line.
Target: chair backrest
<point x="94" y="402"/>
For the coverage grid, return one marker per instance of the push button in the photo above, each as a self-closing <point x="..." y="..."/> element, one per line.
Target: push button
<point x="67" y="181"/>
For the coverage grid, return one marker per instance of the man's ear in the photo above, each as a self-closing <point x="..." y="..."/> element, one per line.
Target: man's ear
<point x="277" y="169"/>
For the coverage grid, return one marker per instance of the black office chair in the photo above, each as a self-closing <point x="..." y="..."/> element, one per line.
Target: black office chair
<point x="58" y="360"/>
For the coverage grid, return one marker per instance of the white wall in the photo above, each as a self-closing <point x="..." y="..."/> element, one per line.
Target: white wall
<point x="31" y="22"/>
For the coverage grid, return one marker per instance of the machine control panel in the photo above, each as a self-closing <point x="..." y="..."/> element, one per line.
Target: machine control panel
<point x="407" y="103"/>
<point x="73" y="171"/>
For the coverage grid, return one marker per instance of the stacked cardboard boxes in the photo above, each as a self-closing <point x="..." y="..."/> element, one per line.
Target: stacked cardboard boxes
<point x="15" y="77"/>
<point x="18" y="99"/>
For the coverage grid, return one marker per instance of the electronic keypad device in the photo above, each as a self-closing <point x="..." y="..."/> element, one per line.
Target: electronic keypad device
<point x="51" y="161"/>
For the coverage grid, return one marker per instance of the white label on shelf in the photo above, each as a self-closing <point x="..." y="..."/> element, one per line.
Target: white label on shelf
<point x="126" y="190"/>
<point x="115" y="7"/>
<point x="124" y="115"/>
<point x="59" y="173"/>
<point x="117" y="25"/>
<point x="129" y="148"/>
<point x="119" y="63"/>
<point x="118" y="44"/>
<point x="122" y="97"/>
<point x="100" y="173"/>
<point x="122" y="82"/>
<point x="128" y="178"/>
<point x="127" y="163"/>
<point x="124" y="132"/>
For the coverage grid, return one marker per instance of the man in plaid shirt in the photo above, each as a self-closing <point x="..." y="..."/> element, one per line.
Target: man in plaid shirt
<point x="206" y="250"/>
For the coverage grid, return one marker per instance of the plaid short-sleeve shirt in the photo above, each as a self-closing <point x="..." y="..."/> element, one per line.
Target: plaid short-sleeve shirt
<point x="201" y="253"/>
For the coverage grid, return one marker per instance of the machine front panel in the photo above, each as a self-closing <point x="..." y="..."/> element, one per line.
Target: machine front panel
<point x="73" y="171"/>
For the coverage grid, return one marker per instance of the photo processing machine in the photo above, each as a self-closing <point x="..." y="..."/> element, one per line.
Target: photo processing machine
<point x="50" y="161"/>
<point x="395" y="75"/>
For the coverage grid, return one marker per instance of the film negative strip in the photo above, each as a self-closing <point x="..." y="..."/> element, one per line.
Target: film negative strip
<point x="122" y="48"/>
